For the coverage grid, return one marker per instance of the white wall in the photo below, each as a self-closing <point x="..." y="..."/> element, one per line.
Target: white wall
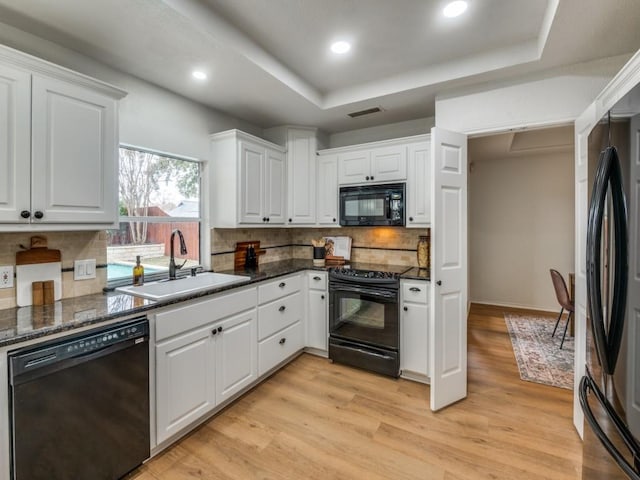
<point x="150" y="116"/>
<point x="555" y="97"/>
<point x="521" y="211"/>
<point x="382" y="132"/>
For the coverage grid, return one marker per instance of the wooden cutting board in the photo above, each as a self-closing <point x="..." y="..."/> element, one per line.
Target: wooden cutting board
<point x="37" y="264"/>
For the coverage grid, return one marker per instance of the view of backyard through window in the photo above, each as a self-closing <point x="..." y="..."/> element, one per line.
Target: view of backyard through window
<point x="158" y="194"/>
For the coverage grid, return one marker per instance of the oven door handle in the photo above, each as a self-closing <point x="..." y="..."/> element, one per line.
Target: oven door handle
<point x="381" y="293"/>
<point x="368" y="352"/>
<point x="586" y="384"/>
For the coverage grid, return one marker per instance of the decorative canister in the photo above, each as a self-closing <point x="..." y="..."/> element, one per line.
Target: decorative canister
<point x="423" y="251"/>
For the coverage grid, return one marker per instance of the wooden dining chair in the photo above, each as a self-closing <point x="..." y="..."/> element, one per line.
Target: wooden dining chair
<point x="562" y="294"/>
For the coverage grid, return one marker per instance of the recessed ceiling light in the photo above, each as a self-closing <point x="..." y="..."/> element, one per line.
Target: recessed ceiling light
<point x="199" y="75"/>
<point x="454" y="9"/>
<point x="340" y="47"/>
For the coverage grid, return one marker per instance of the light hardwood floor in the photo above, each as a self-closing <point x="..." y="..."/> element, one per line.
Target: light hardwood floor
<point x="317" y="420"/>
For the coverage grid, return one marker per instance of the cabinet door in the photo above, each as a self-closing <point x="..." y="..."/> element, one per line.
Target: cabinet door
<point x="275" y="198"/>
<point x="389" y="164"/>
<point x="328" y="190"/>
<point x="301" y="164"/>
<point x="185" y="381"/>
<point x="74" y="154"/>
<point x="252" y="158"/>
<point x="414" y="352"/>
<point x="236" y="353"/>
<point x="15" y="144"/>
<point x="419" y="185"/>
<point x="317" y="320"/>
<point x="353" y="167"/>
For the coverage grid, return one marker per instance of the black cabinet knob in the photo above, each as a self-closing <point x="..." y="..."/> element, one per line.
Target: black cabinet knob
<point x="439" y="282"/>
<point x="214" y="331"/>
<point x="282" y="285"/>
<point x="264" y="219"/>
<point x="282" y="340"/>
<point x="334" y="220"/>
<point x="367" y="177"/>
<point x="25" y="213"/>
<point x="282" y="308"/>
<point x="38" y="214"/>
<point x="322" y="297"/>
<point x="411" y="219"/>
<point x="372" y="177"/>
<point x="219" y="329"/>
<point x="405" y="309"/>
<point x="290" y="220"/>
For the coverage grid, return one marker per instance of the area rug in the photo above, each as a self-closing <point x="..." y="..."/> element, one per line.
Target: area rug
<point x="539" y="357"/>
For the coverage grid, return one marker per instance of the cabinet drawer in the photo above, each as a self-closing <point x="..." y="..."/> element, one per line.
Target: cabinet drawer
<point x="278" y="314"/>
<point x="317" y="280"/>
<point x="202" y="312"/>
<point x="278" y="288"/>
<point x="416" y="292"/>
<point x="278" y="347"/>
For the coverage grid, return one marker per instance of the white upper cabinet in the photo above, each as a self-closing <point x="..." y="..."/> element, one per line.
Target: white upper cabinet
<point x="301" y="164"/>
<point x="58" y="147"/>
<point x="328" y="190"/>
<point x="367" y="163"/>
<point x="419" y="185"/>
<point x="15" y="139"/>
<point x="248" y="181"/>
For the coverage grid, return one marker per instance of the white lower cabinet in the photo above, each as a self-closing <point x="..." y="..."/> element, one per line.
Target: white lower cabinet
<point x="279" y="346"/>
<point x="414" y="330"/>
<point x="185" y="381"/>
<point x="317" y="318"/>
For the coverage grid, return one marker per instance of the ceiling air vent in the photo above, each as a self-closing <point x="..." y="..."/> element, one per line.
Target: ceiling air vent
<point x="368" y="111"/>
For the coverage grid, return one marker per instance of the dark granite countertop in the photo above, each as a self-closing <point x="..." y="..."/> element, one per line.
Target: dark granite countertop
<point x="416" y="273"/>
<point x="28" y="323"/>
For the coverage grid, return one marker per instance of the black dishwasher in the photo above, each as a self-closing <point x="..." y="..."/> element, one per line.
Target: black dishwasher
<point x="79" y="405"/>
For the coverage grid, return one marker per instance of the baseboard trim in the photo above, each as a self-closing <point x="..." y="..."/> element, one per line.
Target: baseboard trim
<point x="513" y="308"/>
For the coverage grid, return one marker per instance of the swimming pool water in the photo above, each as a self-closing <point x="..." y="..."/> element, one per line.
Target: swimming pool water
<point x="118" y="270"/>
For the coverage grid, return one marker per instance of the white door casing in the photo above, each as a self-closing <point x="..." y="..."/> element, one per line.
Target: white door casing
<point x="448" y="326"/>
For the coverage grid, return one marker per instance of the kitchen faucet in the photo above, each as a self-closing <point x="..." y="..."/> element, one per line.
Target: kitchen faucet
<point x="183" y="251"/>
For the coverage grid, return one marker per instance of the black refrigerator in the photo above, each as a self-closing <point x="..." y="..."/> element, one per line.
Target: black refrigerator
<point x="611" y="448"/>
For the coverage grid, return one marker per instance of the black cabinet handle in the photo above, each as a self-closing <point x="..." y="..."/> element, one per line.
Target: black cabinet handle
<point x="25" y="213"/>
<point x="264" y="219"/>
<point x="219" y="329"/>
<point x="322" y="297"/>
<point x="334" y="220"/>
<point x="214" y="331"/>
<point x="317" y="278"/>
<point x="290" y="220"/>
<point x="405" y="309"/>
<point x="367" y="177"/>
<point x="371" y="177"/>
<point x="439" y="282"/>
<point x="38" y="214"/>
<point x="267" y="219"/>
<point x="282" y="308"/>
<point x="282" y="340"/>
<point x="414" y="289"/>
<point x="411" y="219"/>
<point x="282" y="285"/>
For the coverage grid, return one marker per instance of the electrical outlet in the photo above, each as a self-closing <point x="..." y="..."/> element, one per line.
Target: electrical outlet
<point x="6" y="276"/>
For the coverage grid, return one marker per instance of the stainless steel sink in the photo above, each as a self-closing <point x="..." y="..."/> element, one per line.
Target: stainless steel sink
<point x="164" y="290"/>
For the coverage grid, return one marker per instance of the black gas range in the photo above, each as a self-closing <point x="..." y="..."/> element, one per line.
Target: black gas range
<point x="364" y="326"/>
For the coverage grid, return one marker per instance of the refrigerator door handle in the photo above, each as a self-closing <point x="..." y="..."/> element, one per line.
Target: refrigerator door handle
<point x="586" y="384"/>
<point x="608" y="174"/>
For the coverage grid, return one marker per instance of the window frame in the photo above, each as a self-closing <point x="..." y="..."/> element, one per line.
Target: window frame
<point x="200" y="219"/>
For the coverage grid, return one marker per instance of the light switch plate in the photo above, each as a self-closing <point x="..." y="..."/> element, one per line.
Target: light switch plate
<point x="6" y="276"/>
<point x="84" y="269"/>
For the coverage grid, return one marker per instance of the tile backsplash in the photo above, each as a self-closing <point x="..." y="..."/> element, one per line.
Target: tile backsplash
<point x="73" y="246"/>
<point x="380" y="245"/>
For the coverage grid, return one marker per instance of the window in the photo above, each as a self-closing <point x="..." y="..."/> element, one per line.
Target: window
<point x="158" y="194"/>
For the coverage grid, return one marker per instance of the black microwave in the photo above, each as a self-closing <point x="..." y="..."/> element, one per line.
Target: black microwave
<point x="372" y="205"/>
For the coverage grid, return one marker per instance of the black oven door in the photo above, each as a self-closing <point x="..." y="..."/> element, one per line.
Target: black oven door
<point x="364" y="314"/>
